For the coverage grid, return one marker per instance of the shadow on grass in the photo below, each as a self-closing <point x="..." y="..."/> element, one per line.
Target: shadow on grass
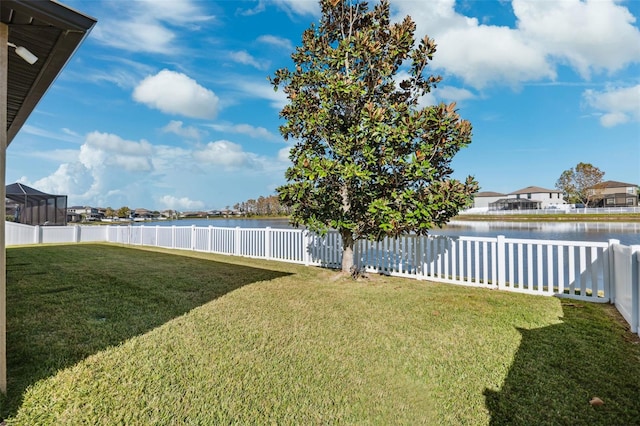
<point x="558" y="369"/>
<point x="65" y="303"/>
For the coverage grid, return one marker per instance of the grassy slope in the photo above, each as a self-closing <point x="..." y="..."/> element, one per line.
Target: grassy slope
<point x="107" y="335"/>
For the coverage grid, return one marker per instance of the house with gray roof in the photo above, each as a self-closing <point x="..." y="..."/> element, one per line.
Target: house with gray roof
<point x="484" y="198"/>
<point x="548" y="198"/>
<point x="612" y="193"/>
<point x="529" y="198"/>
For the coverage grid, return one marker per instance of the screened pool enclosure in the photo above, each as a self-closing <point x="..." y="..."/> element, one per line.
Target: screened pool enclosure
<point x="33" y="207"/>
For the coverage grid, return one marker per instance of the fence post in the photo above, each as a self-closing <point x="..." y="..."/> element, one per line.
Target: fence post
<point x="308" y="240"/>
<point x="76" y="234"/>
<point x="173" y="236"/>
<point x="635" y="289"/>
<point x="157" y="235"/>
<point x="36" y="234"/>
<point x="419" y="251"/>
<point x="209" y="239"/>
<point x="267" y="242"/>
<point x="609" y="281"/>
<point x="237" y="241"/>
<point x="357" y="257"/>
<point x="501" y="261"/>
<point x="193" y="237"/>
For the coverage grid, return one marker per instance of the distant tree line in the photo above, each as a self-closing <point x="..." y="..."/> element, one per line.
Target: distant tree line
<point x="263" y="206"/>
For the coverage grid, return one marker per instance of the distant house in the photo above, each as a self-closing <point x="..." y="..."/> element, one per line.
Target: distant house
<point x="614" y="194"/>
<point x="483" y="199"/>
<point x="142" y="214"/>
<point x="79" y="213"/>
<point x="168" y="214"/>
<point x="529" y="198"/>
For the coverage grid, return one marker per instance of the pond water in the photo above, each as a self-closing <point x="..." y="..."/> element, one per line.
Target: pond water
<point x="627" y="233"/>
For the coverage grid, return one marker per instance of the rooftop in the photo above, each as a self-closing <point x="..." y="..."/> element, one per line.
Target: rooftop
<point x="613" y="184"/>
<point x="534" y="189"/>
<point x="489" y="194"/>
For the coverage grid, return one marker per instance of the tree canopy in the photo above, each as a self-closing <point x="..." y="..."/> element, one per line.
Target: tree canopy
<point x="368" y="159"/>
<point x="577" y="184"/>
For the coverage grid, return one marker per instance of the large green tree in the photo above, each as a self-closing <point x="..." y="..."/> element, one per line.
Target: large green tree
<point x="368" y="160"/>
<point x="579" y="184"/>
<point x="123" y="211"/>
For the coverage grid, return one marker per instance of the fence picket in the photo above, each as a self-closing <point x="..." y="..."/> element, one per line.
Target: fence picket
<point x="579" y="270"/>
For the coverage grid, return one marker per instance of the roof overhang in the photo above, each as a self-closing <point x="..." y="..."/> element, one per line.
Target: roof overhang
<point x="52" y="32"/>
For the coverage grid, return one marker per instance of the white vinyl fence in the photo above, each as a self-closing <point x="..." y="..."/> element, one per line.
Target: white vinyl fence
<point x="626" y="263"/>
<point x="588" y="271"/>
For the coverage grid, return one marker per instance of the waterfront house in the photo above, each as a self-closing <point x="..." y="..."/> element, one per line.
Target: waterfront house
<point x="481" y="200"/>
<point x="529" y="198"/>
<point x="142" y="214"/>
<point x="83" y="213"/>
<point x="614" y="194"/>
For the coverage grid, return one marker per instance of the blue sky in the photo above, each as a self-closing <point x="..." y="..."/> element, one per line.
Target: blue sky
<point x="166" y="105"/>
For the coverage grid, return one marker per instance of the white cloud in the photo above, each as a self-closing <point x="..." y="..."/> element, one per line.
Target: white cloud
<point x="177" y="128"/>
<point x="438" y="94"/>
<point x="144" y="25"/>
<point x="183" y="203"/>
<point x="226" y="154"/>
<point x="122" y="78"/>
<point x="109" y="170"/>
<point x="246" y="129"/>
<point x="619" y="105"/>
<point x="276" y="41"/>
<point x="260" y="7"/>
<point x="136" y="36"/>
<point x="278" y="98"/>
<point x="170" y="158"/>
<point x="117" y="70"/>
<point x="481" y="55"/>
<point x="612" y="119"/>
<point x="175" y="93"/>
<point x="299" y="7"/>
<point x="65" y="135"/>
<point x="103" y="149"/>
<point x="243" y="57"/>
<point x="587" y="35"/>
<point x="283" y="155"/>
<point x="69" y="178"/>
<point x="453" y="94"/>
<point x="184" y="12"/>
<point x="57" y="155"/>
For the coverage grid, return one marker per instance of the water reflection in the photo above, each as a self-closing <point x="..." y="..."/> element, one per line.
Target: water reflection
<point x="628" y="233"/>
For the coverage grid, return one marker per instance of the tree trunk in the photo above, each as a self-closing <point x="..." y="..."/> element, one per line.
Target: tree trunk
<point x="347" y="251"/>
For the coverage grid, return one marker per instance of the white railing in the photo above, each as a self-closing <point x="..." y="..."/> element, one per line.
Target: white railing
<point x="625" y="283"/>
<point x="573" y="269"/>
<point x="589" y="271"/>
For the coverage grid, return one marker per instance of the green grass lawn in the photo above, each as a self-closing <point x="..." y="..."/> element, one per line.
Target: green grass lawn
<point x="101" y="334"/>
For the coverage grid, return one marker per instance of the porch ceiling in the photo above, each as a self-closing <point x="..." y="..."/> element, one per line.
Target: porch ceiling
<point x="52" y="32"/>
